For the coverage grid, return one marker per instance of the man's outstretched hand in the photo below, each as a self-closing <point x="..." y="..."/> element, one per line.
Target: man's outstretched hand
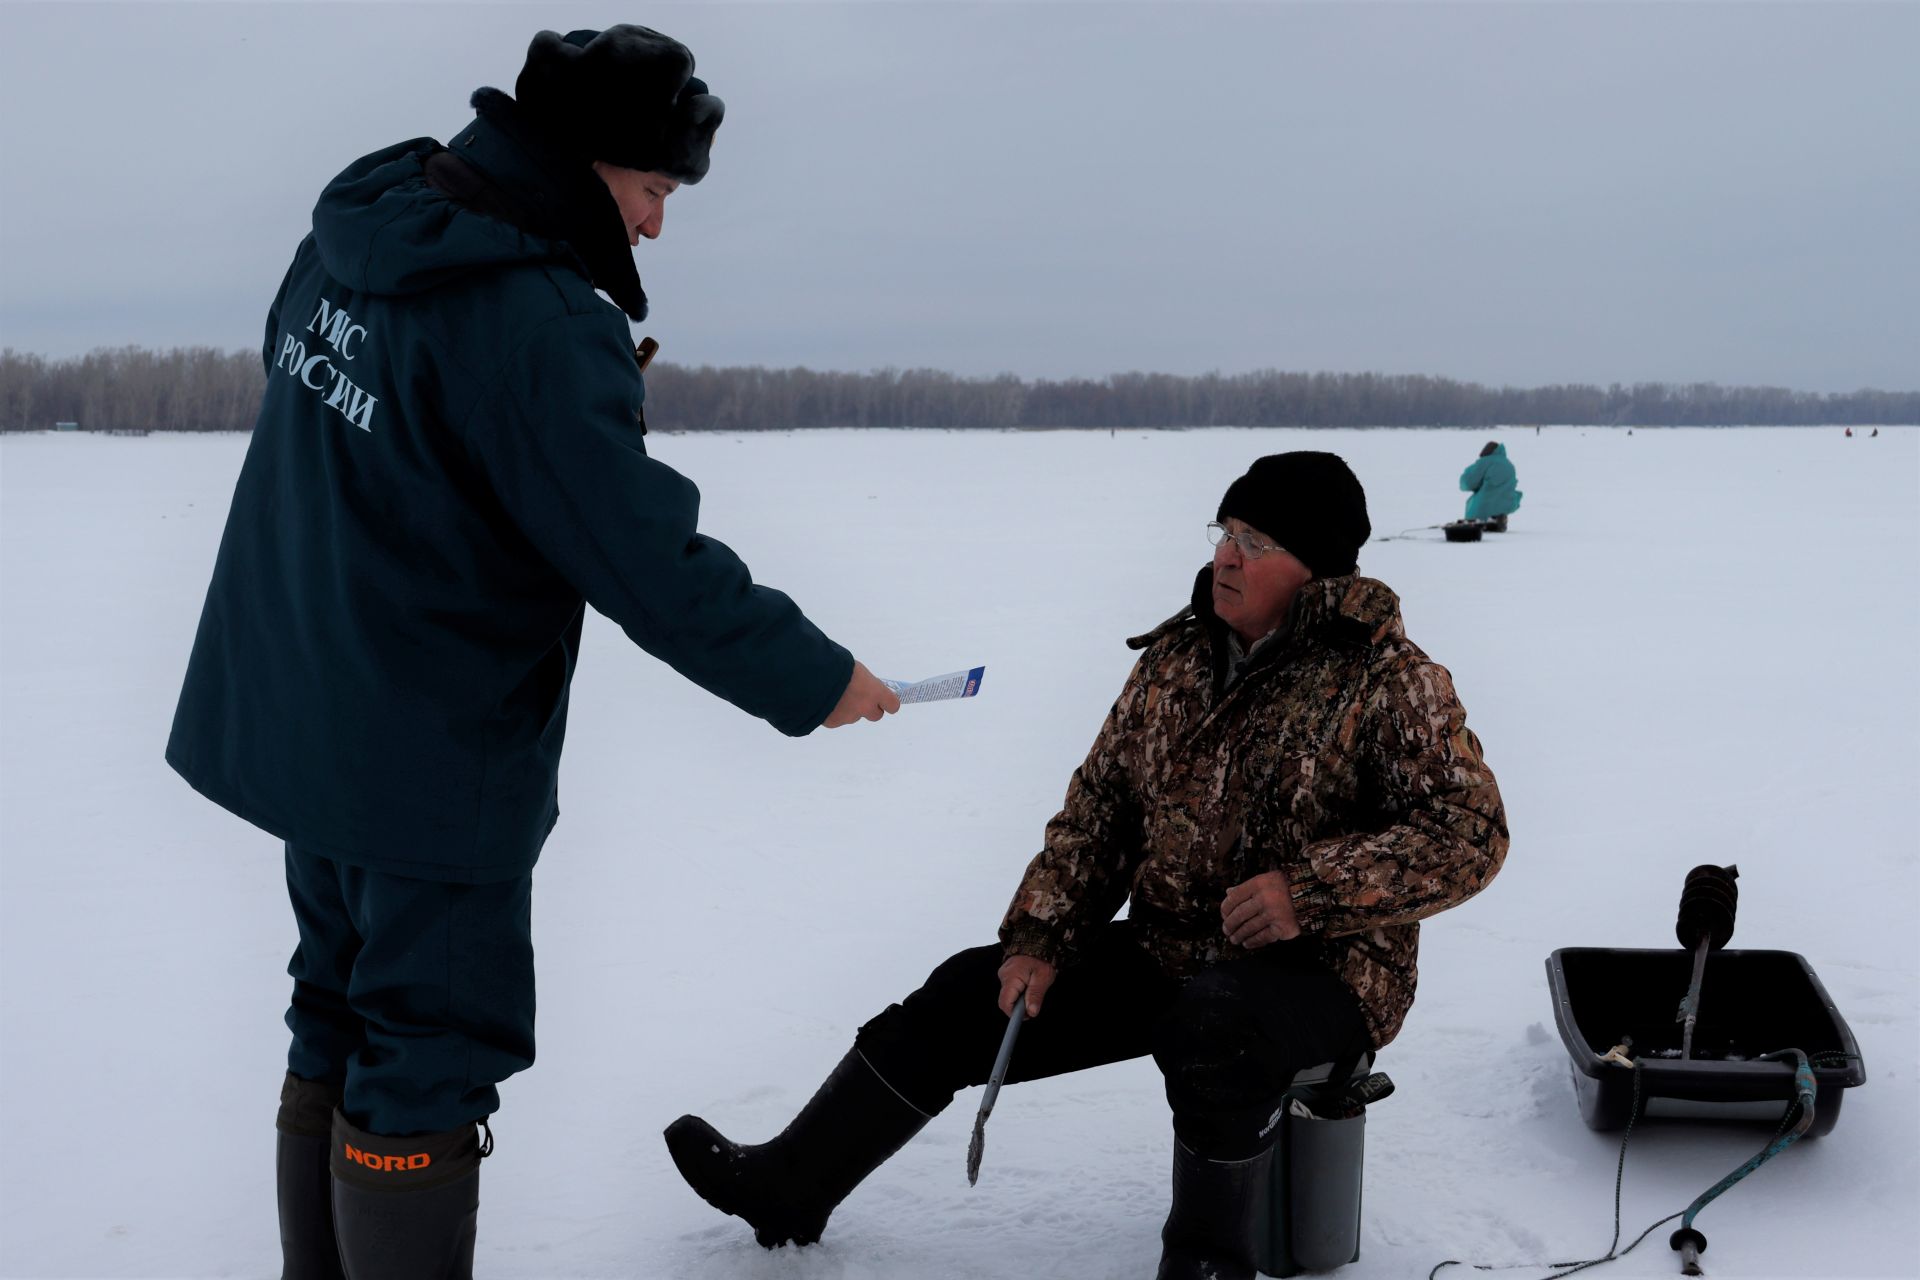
<point x="867" y="698"/>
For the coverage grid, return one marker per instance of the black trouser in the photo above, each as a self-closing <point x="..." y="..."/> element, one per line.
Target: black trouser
<point x="415" y="997"/>
<point x="1228" y="1041"/>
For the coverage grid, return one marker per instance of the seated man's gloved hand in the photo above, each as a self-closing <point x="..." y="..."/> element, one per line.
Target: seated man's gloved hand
<point x="1260" y="911"/>
<point x="1028" y="975"/>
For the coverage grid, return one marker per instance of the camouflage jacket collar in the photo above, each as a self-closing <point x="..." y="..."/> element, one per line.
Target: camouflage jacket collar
<point x="1349" y="609"/>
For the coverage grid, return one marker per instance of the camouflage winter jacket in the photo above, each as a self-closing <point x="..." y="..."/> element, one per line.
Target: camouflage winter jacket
<point x="1341" y="757"/>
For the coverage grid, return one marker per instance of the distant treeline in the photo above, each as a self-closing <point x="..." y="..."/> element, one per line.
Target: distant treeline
<point x="201" y="389"/>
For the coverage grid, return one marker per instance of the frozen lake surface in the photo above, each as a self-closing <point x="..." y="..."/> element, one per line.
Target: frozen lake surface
<point x="1695" y="646"/>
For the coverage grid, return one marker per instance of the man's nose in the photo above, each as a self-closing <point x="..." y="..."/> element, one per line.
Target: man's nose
<point x="651" y="227"/>
<point x="1227" y="554"/>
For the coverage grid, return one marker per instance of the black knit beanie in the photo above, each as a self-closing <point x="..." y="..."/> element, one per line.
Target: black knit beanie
<point x="1309" y="503"/>
<point x="626" y="95"/>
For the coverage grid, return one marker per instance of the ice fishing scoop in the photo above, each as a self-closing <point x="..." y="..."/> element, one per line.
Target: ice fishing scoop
<point x="1707" y="903"/>
<point x="978" y="1147"/>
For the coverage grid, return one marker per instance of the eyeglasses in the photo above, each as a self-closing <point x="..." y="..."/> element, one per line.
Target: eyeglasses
<point x="1218" y="535"/>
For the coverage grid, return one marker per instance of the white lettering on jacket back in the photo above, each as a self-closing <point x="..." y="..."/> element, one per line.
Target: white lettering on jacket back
<point x="318" y="372"/>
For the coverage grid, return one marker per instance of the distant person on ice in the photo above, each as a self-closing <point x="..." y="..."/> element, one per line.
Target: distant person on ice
<point x="1493" y="483"/>
<point x="448" y="467"/>
<point x="1285" y="786"/>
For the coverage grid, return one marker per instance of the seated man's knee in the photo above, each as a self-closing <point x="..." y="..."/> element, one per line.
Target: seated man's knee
<point x="964" y="973"/>
<point x="926" y="1046"/>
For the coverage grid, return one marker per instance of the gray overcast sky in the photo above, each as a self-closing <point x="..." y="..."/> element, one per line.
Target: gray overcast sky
<point x="1509" y="193"/>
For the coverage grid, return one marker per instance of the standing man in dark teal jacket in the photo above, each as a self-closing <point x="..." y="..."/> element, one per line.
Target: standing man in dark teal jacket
<point x="448" y="467"/>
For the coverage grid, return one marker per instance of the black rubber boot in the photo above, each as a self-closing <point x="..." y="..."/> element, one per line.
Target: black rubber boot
<point x="786" y="1188"/>
<point x="303" y="1182"/>
<point x="1219" y="1210"/>
<point x="406" y="1208"/>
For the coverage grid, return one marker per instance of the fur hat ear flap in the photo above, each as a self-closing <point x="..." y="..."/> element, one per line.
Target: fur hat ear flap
<point x="692" y="138"/>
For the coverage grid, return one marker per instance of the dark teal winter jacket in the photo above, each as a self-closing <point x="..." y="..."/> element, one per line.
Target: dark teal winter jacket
<point x="447" y="467"/>
<point x="1491" y="480"/>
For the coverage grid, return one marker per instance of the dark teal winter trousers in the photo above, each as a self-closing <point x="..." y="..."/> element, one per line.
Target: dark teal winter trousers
<point x="413" y="996"/>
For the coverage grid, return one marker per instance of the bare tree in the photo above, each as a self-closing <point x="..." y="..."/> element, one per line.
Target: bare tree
<point x="203" y="389"/>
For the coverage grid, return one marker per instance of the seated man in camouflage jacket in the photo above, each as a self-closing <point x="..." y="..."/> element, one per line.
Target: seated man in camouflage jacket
<point x="1285" y="787"/>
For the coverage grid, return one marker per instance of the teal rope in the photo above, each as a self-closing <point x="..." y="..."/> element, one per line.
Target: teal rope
<point x="1804" y="1090"/>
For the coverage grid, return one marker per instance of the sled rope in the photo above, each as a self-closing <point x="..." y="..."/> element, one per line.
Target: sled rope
<point x="1791" y="1128"/>
<point x="1558" y="1269"/>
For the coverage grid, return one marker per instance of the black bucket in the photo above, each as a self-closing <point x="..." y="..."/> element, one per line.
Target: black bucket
<point x="1462" y="531"/>
<point x="1313" y="1221"/>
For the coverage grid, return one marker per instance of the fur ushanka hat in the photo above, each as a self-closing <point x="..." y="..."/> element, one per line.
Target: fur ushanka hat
<point x="626" y="95"/>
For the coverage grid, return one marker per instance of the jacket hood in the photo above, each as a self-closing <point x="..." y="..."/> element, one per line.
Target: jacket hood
<point x="382" y="229"/>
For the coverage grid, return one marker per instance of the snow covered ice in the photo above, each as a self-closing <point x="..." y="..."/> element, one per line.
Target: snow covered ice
<point x="1694" y="646"/>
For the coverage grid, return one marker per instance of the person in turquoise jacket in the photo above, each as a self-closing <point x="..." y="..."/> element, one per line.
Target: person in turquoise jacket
<point x="1493" y="483"/>
<point x="448" y="467"/>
